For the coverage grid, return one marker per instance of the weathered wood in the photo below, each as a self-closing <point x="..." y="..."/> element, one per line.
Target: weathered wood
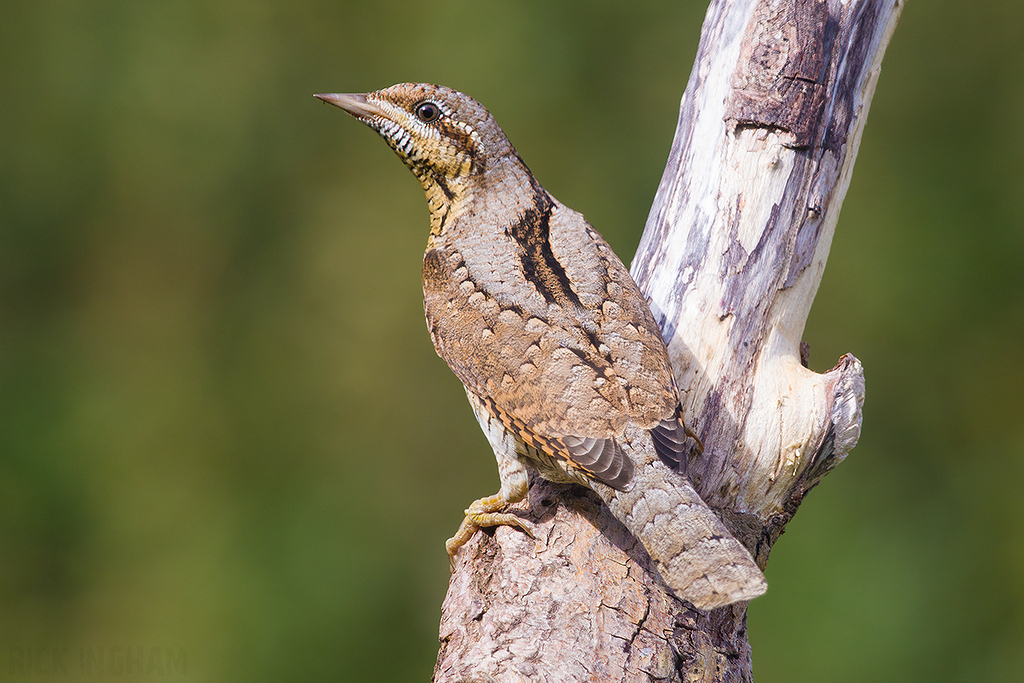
<point x="731" y="258"/>
<point x="737" y="239"/>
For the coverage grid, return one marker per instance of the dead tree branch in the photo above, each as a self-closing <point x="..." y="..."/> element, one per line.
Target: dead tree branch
<point x="731" y="258"/>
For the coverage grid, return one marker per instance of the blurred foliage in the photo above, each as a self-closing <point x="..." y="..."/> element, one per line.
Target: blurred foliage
<point x="225" y="432"/>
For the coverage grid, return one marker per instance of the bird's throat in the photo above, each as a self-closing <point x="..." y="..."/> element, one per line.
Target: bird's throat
<point x="446" y="200"/>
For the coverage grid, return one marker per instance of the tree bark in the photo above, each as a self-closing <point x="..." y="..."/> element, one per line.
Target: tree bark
<point x="731" y="258"/>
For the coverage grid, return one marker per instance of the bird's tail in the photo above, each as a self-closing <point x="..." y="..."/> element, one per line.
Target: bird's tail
<point x="693" y="551"/>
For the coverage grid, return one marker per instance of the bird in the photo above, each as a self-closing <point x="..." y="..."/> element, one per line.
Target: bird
<point x="562" y="361"/>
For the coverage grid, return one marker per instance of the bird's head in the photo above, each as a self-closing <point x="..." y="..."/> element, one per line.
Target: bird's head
<point x="446" y="138"/>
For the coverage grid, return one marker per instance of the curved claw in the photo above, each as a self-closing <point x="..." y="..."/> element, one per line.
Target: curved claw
<point x="478" y="515"/>
<point x="693" y="435"/>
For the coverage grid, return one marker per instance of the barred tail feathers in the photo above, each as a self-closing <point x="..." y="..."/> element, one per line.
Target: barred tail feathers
<point x="692" y="549"/>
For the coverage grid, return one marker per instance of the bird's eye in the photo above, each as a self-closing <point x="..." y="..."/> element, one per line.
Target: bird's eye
<point x="428" y="112"/>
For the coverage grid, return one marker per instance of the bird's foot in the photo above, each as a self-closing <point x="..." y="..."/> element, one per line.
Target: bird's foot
<point x="483" y="513"/>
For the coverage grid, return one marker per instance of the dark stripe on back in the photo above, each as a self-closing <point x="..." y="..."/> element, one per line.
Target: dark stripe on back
<point x="532" y="233"/>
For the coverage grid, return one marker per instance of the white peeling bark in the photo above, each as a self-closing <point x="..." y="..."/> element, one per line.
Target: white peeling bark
<point x="731" y="258"/>
<point x="739" y="233"/>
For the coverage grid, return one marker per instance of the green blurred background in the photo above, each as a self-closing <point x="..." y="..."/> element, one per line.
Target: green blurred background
<point x="226" y="435"/>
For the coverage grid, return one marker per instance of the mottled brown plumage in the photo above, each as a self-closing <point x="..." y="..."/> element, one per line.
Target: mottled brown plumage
<point x="563" y="363"/>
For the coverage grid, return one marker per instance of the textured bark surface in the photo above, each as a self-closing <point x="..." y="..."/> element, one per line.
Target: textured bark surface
<point x="579" y="603"/>
<point x="731" y="258"/>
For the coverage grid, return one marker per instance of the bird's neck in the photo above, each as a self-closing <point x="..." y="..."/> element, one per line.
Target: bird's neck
<point x="447" y="198"/>
<point x="503" y="189"/>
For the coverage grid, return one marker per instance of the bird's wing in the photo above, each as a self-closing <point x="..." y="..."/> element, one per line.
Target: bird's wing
<point x="566" y="369"/>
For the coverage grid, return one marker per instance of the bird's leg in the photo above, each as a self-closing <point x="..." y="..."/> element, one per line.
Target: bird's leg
<point x="485" y="511"/>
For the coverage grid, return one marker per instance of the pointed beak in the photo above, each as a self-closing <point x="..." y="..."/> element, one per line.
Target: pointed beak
<point x="354" y="103"/>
